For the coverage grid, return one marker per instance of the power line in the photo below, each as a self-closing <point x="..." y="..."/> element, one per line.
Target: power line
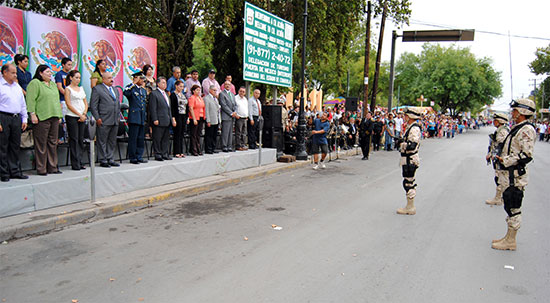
<point x="420" y="22"/>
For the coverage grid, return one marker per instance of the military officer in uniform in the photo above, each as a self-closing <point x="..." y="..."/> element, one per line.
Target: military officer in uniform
<point x="410" y="161"/>
<point x="365" y="134"/>
<point x="500" y="121"/>
<point x="516" y="153"/>
<point x="137" y="100"/>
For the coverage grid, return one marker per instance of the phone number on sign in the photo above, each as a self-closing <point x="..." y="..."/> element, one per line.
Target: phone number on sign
<point x="267" y="54"/>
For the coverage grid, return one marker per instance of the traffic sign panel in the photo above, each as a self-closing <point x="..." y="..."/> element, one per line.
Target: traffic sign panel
<point x="268" y="46"/>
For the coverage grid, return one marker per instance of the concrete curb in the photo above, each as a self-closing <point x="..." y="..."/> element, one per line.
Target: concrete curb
<point x="58" y="222"/>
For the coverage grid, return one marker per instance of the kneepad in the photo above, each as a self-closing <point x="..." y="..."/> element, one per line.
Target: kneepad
<point x="512" y="197"/>
<point x="408" y="170"/>
<point x="408" y="185"/>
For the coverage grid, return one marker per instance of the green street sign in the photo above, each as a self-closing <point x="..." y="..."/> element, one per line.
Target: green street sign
<point x="267" y="52"/>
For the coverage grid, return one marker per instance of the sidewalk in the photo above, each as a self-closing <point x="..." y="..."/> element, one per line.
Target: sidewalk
<point x="44" y="221"/>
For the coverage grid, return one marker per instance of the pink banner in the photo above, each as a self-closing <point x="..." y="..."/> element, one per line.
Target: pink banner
<point x="11" y="34"/>
<point x="97" y="43"/>
<point x="50" y="40"/>
<point x="138" y="51"/>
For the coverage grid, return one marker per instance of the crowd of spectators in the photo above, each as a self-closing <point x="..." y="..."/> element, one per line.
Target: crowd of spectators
<point x="344" y="126"/>
<point x="191" y="113"/>
<point x="161" y="109"/>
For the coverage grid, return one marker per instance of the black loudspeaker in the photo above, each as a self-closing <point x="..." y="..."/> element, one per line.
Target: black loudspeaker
<point x="273" y="137"/>
<point x="272" y="116"/>
<point x="351" y="104"/>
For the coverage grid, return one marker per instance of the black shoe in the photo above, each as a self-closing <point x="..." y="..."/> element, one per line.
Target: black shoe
<point x="42" y="174"/>
<point x="57" y="172"/>
<point x="142" y="161"/>
<point x="159" y="159"/>
<point x="134" y="161"/>
<point x="210" y="152"/>
<point x="364" y="158"/>
<point x="105" y="164"/>
<point x="22" y="177"/>
<point x="82" y="167"/>
<point x="225" y="150"/>
<point x="75" y="168"/>
<point x="5" y="179"/>
<point x="113" y="163"/>
<point x="216" y="152"/>
<point x="167" y="158"/>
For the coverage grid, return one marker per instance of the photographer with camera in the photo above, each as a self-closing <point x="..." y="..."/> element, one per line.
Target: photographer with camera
<point x="320" y="143"/>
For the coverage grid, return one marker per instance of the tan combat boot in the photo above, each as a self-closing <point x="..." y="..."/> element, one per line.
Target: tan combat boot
<point x="501" y="239"/>
<point x="509" y="241"/>
<point x="497" y="200"/>
<point x="409" y="209"/>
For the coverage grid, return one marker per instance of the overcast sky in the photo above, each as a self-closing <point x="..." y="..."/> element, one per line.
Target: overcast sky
<point x="522" y="18"/>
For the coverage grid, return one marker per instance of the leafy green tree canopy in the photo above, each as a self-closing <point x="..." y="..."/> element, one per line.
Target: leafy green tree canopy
<point x="541" y="65"/>
<point x="452" y="76"/>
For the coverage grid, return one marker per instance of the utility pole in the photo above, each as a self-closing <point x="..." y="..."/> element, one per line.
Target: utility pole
<point x="378" y="57"/>
<point x="367" y="58"/>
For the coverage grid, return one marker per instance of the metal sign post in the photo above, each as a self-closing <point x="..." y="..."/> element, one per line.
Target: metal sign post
<point x="92" y="169"/>
<point x="260" y="127"/>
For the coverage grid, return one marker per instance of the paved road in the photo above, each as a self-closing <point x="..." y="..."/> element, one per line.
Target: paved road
<point x="341" y="240"/>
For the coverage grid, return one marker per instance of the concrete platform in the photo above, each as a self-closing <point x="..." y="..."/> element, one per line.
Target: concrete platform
<point x="42" y="192"/>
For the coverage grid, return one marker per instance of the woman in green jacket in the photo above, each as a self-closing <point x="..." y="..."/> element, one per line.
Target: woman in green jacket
<point x="45" y="112"/>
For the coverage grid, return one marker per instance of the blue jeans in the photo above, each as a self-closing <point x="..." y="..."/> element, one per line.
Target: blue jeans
<point x="388" y="143"/>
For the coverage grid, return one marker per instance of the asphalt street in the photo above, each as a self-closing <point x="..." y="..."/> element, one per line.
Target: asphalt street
<point x="341" y="240"/>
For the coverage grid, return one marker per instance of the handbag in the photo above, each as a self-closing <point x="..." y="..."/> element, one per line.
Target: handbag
<point x="27" y="139"/>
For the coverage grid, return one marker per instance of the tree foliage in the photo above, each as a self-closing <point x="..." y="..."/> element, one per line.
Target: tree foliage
<point x="171" y="22"/>
<point x="451" y="76"/>
<point x="541" y="65"/>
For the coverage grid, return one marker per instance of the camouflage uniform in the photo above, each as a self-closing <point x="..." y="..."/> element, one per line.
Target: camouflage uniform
<point x="410" y="161"/>
<point x="497" y="142"/>
<point x="516" y="149"/>
<point x="517" y="152"/>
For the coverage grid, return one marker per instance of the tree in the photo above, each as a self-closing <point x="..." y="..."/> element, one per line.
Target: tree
<point x="171" y="22"/>
<point x="451" y="76"/>
<point x="541" y="65"/>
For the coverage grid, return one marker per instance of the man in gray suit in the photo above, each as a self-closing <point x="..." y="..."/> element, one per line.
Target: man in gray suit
<point x="212" y="113"/>
<point x="105" y="108"/>
<point x="228" y="114"/>
<point x="161" y="115"/>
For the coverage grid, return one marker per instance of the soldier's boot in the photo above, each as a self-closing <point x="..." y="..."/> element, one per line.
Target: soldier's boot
<point x="409" y="209"/>
<point x="497" y="200"/>
<point x="501" y="239"/>
<point x="509" y="241"/>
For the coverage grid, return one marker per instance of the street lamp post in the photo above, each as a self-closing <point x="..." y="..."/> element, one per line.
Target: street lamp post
<point x="301" y="146"/>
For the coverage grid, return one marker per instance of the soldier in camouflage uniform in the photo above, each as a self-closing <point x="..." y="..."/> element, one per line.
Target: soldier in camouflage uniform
<point x="410" y="161"/>
<point x="516" y="153"/>
<point x="497" y="141"/>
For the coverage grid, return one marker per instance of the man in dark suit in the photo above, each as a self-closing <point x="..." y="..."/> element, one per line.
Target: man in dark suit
<point x="351" y="134"/>
<point x="161" y="115"/>
<point x="365" y="135"/>
<point x="137" y="101"/>
<point x="105" y="107"/>
<point x="228" y="114"/>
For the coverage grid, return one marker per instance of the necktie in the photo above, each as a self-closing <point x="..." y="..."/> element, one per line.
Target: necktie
<point x="112" y="92"/>
<point x="259" y="107"/>
<point x="165" y="97"/>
